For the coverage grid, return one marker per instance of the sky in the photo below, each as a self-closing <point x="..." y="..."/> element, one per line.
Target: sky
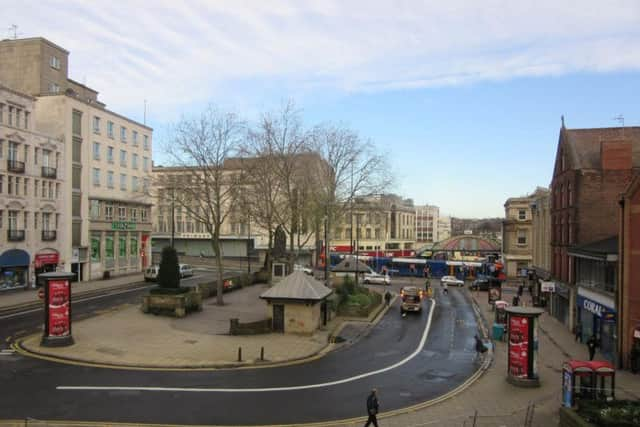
<point x="464" y="98"/>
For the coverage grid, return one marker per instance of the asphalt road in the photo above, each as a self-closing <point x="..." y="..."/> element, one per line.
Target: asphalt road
<point x="389" y="357"/>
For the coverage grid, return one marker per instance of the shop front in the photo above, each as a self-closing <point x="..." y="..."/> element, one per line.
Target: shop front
<point x="45" y="261"/>
<point x="14" y="269"/>
<point x="597" y="316"/>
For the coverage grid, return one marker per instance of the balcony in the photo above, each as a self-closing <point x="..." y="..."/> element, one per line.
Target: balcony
<point x="15" y="166"/>
<point x="48" y="172"/>
<point x="15" y="235"/>
<point x="49" y="235"/>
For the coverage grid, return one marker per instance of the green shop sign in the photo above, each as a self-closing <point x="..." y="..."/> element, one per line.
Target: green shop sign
<point x="123" y="225"/>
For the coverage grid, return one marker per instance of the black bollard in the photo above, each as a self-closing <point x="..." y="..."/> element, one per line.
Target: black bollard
<point x="261" y="353"/>
<point x="239" y="354"/>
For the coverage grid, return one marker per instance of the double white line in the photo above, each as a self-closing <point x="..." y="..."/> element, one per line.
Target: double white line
<point x="423" y="340"/>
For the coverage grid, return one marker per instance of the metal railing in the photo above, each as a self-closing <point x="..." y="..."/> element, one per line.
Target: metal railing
<point x="15" y="166"/>
<point x="48" y="172"/>
<point x="49" y="235"/>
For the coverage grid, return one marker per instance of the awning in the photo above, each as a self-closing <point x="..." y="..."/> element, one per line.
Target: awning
<point x="14" y="258"/>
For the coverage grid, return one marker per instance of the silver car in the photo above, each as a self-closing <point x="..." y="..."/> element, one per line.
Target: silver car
<point x="377" y="279"/>
<point x="151" y="273"/>
<point x="452" y="281"/>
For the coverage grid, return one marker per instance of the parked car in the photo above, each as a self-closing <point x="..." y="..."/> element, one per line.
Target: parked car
<point x="151" y="273"/>
<point x="411" y="298"/>
<point x="185" y="270"/>
<point x="452" y="281"/>
<point x="376" y="279"/>
<point x="480" y="284"/>
<point x="306" y="270"/>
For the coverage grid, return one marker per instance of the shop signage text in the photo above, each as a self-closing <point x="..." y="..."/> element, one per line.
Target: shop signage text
<point x="547" y="286"/>
<point x="123" y="225"/>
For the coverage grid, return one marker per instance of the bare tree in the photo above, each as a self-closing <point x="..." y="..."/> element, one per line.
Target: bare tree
<point x="207" y="184"/>
<point x="352" y="168"/>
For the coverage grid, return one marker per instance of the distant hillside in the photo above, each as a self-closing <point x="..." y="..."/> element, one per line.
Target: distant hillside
<point x="479" y="226"/>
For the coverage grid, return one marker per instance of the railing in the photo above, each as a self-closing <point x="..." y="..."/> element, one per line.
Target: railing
<point x="48" y="172"/>
<point x="49" y="235"/>
<point x="15" y="166"/>
<point x="15" y="235"/>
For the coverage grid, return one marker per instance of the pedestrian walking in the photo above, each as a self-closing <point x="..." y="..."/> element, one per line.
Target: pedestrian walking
<point x="387" y="298"/>
<point x="516" y="301"/>
<point x="520" y="289"/>
<point x="579" y="332"/>
<point x="592" y="343"/>
<point x="480" y="347"/>
<point x="372" y="408"/>
<point x="445" y="288"/>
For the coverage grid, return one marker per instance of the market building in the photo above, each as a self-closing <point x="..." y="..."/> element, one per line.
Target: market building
<point x="104" y="191"/>
<point x="31" y="183"/>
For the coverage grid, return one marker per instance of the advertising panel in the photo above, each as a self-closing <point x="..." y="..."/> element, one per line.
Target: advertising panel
<point x="519" y="346"/>
<point x="58" y="312"/>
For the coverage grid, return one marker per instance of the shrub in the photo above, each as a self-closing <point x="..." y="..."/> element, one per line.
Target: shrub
<point x="169" y="274"/>
<point x="619" y="413"/>
<point x="168" y="291"/>
<point x="348" y="285"/>
<point x="362" y="300"/>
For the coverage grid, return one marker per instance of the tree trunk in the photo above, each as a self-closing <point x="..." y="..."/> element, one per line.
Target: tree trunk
<point x="215" y="244"/>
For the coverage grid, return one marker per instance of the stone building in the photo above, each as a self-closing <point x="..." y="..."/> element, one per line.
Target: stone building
<point x="592" y="168"/>
<point x="381" y="224"/>
<point x="427" y="217"/>
<point x="31" y="185"/>
<point x="517" y="250"/>
<point x="541" y="233"/>
<point x="444" y="228"/>
<point x="104" y="189"/>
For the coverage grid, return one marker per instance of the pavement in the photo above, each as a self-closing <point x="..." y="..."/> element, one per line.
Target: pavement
<point x="115" y="338"/>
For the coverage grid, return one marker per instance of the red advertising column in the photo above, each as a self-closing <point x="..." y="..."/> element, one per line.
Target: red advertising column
<point x="522" y="355"/>
<point x="57" y="309"/>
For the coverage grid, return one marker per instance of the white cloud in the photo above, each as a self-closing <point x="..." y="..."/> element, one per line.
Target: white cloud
<point x="175" y="53"/>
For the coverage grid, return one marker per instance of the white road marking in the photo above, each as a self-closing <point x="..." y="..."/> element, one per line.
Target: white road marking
<point x="423" y="340"/>
<point x="7" y="352"/>
<point x="8" y="316"/>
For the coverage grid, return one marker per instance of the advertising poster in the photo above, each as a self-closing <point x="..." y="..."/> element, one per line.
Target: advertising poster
<point x="58" y="308"/>
<point x="518" y="346"/>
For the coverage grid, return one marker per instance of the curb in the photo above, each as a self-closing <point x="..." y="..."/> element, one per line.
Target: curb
<point x="17" y="308"/>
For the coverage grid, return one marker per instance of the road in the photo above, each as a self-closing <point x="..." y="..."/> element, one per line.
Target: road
<point x="390" y="357"/>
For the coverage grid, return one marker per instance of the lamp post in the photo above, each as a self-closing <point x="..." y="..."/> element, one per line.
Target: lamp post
<point x="173" y="221"/>
<point x="326" y="250"/>
<point x="248" y="244"/>
<point x="357" y="244"/>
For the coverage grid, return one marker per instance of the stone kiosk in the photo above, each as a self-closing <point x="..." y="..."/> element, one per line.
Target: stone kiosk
<point x="297" y="304"/>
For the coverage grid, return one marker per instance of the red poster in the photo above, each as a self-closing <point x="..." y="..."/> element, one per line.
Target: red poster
<point x="58" y="308"/>
<point x="518" y="346"/>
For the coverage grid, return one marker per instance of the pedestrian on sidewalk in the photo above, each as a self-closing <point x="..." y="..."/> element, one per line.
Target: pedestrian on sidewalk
<point x="372" y="408"/>
<point x="445" y="288"/>
<point x="592" y="343"/>
<point x="387" y="298"/>
<point x="516" y="301"/>
<point x="579" y="332"/>
<point x="480" y="347"/>
<point x="520" y="290"/>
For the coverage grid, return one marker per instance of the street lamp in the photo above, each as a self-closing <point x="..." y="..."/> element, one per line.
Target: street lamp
<point x="248" y="244"/>
<point x="173" y="221"/>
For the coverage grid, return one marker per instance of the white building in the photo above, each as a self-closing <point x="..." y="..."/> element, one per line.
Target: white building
<point x="444" y="228"/>
<point x="427" y="224"/>
<point x="31" y="188"/>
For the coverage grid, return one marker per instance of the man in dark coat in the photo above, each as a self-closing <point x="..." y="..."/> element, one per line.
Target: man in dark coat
<point x="372" y="408"/>
<point x="592" y="343"/>
<point x="387" y="297"/>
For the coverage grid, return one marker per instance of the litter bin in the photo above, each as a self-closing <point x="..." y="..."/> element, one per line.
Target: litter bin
<point x="498" y="331"/>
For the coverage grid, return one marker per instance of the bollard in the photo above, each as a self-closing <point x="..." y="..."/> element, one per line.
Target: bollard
<point x="239" y="354"/>
<point x="262" y="353"/>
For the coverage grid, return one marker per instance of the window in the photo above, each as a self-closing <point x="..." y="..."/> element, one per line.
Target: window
<point x="134" y="161"/>
<point x="76" y="204"/>
<point x="1" y="112"/>
<point x="96" y="124"/>
<point x="134" y="214"/>
<point x="35" y="220"/>
<point x="122" y="213"/>
<point x="26" y="187"/>
<point x="145" y="164"/>
<point x="36" y="151"/>
<point x="110" y="179"/>
<point x="95" y="247"/>
<point x="108" y="246"/>
<point x="108" y="211"/>
<point x="54" y="88"/>
<point x="17" y="186"/>
<point x="10" y="116"/>
<point x="110" y="154"/>
<point x="522" y="214"/>
<point x="522" y="237"/>
<point x="1" y="183"/>
<point x="96" y="151"/>
<point x="134" y="137"/>
<point x="570" y="194"/>
<point x="13" y="151"/>
<point x="133" y="246"/>
<point x="35" y="187"/>
<point x="94" y="209"/>
<point x="110" y="129"/>
<point x="96" y="177"/>
<point x="26" y="153"/>
<point x="13" y="220"/>
<point x="134" y="183"/>
<point x="123" y="134"/>
<point x="146" y="142"/>
<point x="76" y="177"/>
<point x="143" y="215"/>
<point x="123" y="182"/>
<point x="57" y="190"/>
<point x="122" y="246"/>
<point x="46" y="221"/>
<point x="10" y="185"/>
<point x="123" y="158"/>
<point x="18" y="117"/>
<point x="145" y="185"/>
<point x="26" y="120"/>
<point x="77" y="150"/>
<point x="54" y="62"/>
<point x="76" y="124"/>
<point x="1" y="147"/>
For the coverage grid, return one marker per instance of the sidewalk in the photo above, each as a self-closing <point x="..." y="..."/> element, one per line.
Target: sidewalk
<point x="19" y="297"/>
<point x="494" y="402"/>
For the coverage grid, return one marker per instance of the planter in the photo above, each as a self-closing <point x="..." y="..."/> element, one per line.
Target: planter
<point x="177" y="305"/>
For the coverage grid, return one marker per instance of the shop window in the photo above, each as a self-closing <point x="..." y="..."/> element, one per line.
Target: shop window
<point x="95" y="248"/>
<point x="122" y="246"/>
<point x="94" y="209"/>
<point x="133" y="246"/>
<point x="108" y="246"/>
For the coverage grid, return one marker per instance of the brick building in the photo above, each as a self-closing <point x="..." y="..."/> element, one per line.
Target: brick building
<point x="592" y="168"/>
<point x="628" y="297"/>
